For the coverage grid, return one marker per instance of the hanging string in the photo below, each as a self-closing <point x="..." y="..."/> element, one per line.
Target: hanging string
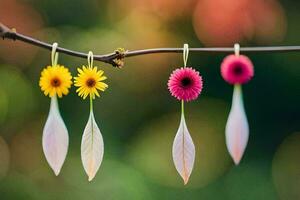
<point x="237" y="49"/>
<point x="185" y="59"/>
<point x="185" y="54"/>
<point x="90" y="59"/>
<point x="237" y="54"/>
<point x="54" y="54"/>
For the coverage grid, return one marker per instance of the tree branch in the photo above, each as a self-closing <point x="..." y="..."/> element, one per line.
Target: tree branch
<point x="117" y="58"/>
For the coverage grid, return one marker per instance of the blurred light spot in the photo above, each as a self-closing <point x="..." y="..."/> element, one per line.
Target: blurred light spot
<point x="224" y="22"/>
<point x="137" y="31"/>
<point x="19" y="94"/>
<point x="149" y="68"/>
<point x="28" y="159"/>
<point x="164" y="9"/>
<point x="248" y="181"/>
<point x="286" y="168"/>
<point x="3" y="105"/>
<point x="18" y="186"/>
<point x="114" y="180"/>
<point x="26" y="150"/>
<point x="4" y="158"/>
<point x="151" y="151"/>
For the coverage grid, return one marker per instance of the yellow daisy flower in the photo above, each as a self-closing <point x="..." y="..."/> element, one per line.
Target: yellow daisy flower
<point x="89" y="81"/>
<point x="55" y="80"/>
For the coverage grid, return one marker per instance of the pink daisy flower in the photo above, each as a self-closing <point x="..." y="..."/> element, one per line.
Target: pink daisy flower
<point x="237" y="69"/>
<point x="185" y="84"/>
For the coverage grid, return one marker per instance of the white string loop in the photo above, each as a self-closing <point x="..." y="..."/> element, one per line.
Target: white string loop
<point x="185" y="54"/>
<point x="90" y="59"/>
<point x="237" y="49"/>
<point x="54" y="54"/>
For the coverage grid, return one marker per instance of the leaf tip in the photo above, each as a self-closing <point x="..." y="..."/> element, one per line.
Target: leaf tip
<point x="185" y="180"/>
<point x="90" y="178"/>
<point x="237" y="155"/>
<point x="56" y="171"/>
<point x="236" y="159"/>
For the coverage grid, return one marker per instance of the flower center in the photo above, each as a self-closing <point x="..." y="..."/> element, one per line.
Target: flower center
<point x="91" y="82"/>
<point x="55" y="82"/>
<point x="185" y="82"/>
<point x="238" y="70"/>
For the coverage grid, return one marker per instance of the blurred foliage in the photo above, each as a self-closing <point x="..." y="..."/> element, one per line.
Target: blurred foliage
<point x="286" y="168"/>
<point x="137" y="116"/>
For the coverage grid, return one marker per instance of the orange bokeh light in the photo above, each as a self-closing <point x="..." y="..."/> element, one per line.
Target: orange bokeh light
<point x="224" y="22"/>
<point x="26" y="20"/>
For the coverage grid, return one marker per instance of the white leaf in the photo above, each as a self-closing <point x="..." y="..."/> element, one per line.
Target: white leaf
<point x="183" y="151"/>
<point x="92" y="147"/>
<point x="55" y="138"/>
<point x="237" y="129"/>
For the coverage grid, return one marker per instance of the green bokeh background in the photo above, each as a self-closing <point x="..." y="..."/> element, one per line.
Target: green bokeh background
<point x="137" y="116"/>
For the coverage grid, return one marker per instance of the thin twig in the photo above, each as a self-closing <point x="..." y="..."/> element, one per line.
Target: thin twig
<point x="117" y="58"/>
